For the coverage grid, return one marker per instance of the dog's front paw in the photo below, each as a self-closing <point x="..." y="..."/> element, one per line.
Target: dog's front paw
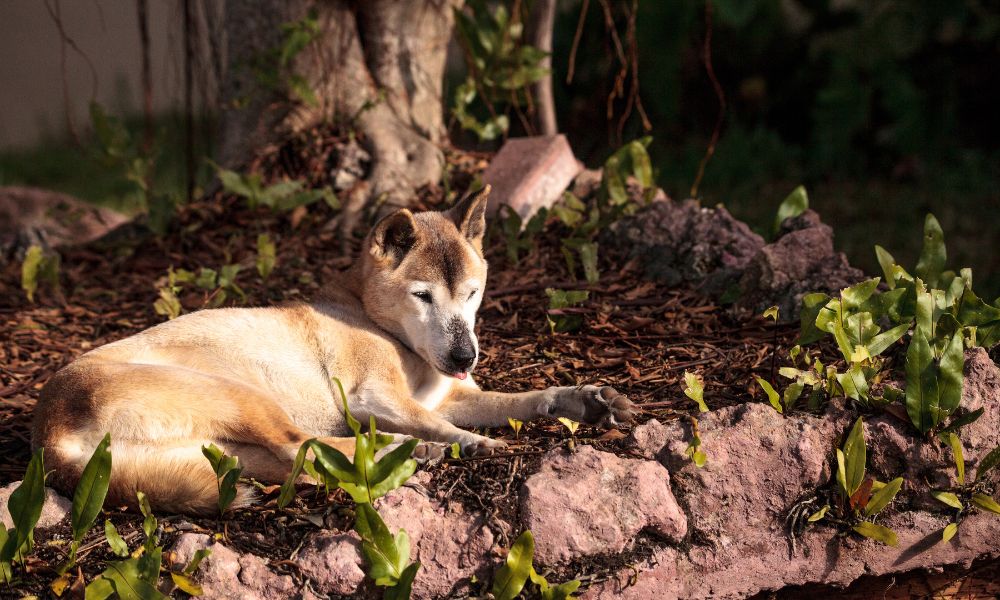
<point x="482" y="446"/>
<point x="603" y="406"/>
<point x="430" y="453"/>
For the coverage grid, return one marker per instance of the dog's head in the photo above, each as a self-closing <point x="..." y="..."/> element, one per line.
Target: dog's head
<point x="423" y="280"/>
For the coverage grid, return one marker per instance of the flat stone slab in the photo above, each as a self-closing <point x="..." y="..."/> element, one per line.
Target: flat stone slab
<point x="530" y="173"/>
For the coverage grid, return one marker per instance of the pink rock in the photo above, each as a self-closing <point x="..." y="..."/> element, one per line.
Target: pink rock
<point x="229" y="575"/>
<point x="531" y="173"/>
<point x="451" y="544"/>
<point x="655" y="578"/>
<point x="333" y="561"/>
<point x="896" y="450"/>
<point x="60" y="219"/>
<point x="54" y="510"/>
<point x="590" y="502"/>
<point x="760" y="464"/>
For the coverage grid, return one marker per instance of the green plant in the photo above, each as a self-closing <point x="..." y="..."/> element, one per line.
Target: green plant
<point x="266" y="255"/>
<point x="282" y="196"/>
<point x="501" y="67"/>
<point x="519" y="235"/>
<point x="516" y="425"/>
<point x="183" y="580"/>
<point x="117" y="150"/>
<point x="227" y="474"/>
<point x="218" y="285"/>
<point x="695" y="390"/>
<point x="511" y="577"/>
<point x="365" y="479"/>
<point x="571" y="426"/>
<point x="967" y="495"/>
<point x="39" y="266"/>
<point x="559" y="318"/>
<point x="272" y="68"/>
<point x="793" y="205"/>
<point x="25" y="507"/>
<point x="694" y="450"/>
<point x="945" y="316"/>
<point x="861" y="498"/>
<point x="139" y="575"/>
<point x="628" y="164"/>
<point x="88" y="498"/>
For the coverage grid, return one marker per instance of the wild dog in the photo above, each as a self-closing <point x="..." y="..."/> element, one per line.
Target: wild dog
<point x="397" y="328"/>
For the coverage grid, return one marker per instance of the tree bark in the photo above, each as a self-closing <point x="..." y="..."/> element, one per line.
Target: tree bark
<point x="376" y="67"/>
<point x="543" y="18"/>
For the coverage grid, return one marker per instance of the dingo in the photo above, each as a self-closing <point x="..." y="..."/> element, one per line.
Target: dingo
<point x="397" y="328"/>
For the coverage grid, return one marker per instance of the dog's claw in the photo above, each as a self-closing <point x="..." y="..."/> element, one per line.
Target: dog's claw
<point x="429" y="453"/>
<point x="620" y="408"/>
<point x="603" y="406"/>
<point x="483" y="447"/>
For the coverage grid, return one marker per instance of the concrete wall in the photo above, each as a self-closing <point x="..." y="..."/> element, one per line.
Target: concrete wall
<point x="32" y="106"/>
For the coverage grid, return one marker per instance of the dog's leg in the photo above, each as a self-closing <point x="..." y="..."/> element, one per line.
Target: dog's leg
<point x="395" y="411"/>
<point x="472" y="407"/>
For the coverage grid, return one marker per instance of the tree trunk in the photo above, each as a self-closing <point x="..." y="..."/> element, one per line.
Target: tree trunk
<point x="376" y="67"/>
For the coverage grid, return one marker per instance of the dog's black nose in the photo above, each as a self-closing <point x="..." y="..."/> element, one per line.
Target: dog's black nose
<point x="463" y="356"/>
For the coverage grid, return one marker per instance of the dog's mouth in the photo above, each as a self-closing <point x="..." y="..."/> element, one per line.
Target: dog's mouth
<point x="460" y="375"/>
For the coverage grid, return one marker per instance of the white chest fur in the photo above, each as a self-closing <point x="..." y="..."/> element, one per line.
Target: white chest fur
<point x="434" y="390"/>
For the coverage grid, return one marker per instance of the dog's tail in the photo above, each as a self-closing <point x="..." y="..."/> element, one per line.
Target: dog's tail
<point x="175" y="478"/>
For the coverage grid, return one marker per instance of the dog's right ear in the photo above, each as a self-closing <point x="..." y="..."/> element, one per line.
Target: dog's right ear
<point x="394" y="235"/>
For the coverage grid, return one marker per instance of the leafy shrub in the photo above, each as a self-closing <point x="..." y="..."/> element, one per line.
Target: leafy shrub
<point x="218" y="285"/>
<point x="630" y="164"/>
<point x="500" y="66"/>
<point x="944" y="313"/>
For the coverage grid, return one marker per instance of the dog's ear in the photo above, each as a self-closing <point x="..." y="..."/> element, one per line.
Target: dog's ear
<point x="394" y="235"/>
<point x="469" y="216"/>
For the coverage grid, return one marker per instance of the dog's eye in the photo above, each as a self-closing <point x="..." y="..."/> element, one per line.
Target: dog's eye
<point x="472" y="295"/>
<point x="423" y="296"/>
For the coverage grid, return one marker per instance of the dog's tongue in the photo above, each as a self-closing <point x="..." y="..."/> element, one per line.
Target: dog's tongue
<point x="461" y="375"/>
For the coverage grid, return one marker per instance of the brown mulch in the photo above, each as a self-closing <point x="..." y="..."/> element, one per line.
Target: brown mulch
<point x="637" y="336"/>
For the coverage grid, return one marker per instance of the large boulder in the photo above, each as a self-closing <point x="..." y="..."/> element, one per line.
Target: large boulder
<point x="38" y="216"/>
<point x="760" y="464"/>
<point x="680" y="242"/>
<point x="588" y="502"/>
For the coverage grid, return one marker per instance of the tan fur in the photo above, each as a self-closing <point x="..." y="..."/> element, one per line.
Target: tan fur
<point x="257" y="382"/>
